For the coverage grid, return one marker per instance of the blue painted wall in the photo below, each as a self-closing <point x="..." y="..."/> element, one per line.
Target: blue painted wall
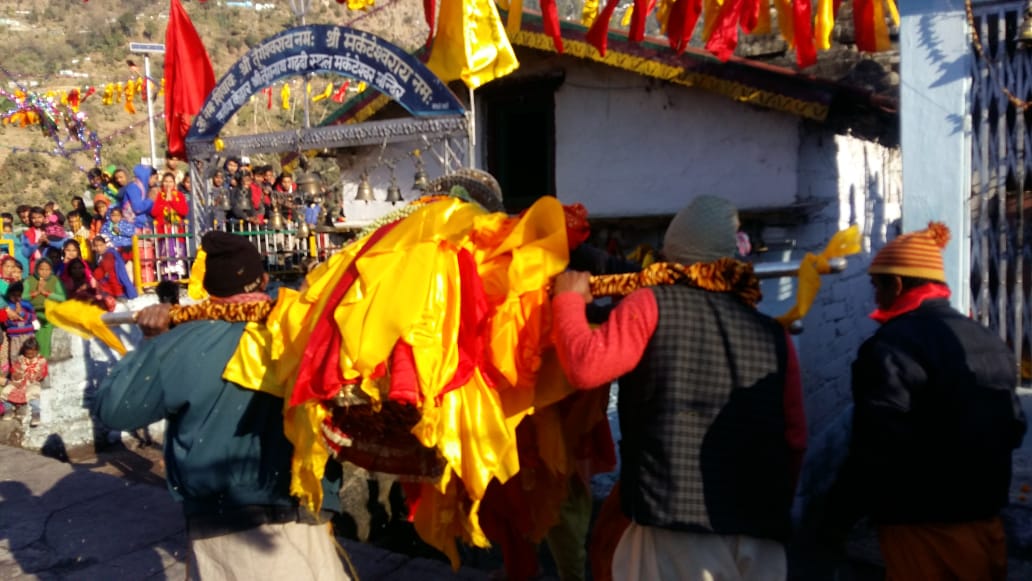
<point x="935" y="134"/>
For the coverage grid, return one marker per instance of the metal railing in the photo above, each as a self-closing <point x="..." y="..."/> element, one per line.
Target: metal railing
<point x="170" y="256"/>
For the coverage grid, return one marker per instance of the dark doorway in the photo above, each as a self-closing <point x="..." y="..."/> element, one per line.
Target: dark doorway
<point x="520" y="138"/>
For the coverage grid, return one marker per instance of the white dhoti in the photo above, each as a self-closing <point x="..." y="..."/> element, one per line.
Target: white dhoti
<point x="293" y="550"/>
<point x="655" y="554"/>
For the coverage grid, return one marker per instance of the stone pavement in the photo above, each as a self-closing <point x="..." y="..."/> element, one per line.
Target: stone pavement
<point x="113" y="519"/>
<point x="74" y="521"/>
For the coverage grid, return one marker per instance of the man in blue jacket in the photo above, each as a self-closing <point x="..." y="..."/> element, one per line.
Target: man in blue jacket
<point x="227" y="459"/>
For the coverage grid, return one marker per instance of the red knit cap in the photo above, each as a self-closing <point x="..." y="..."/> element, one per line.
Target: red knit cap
<point x="916" y="254"/>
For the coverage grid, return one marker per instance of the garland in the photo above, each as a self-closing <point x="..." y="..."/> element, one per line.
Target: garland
<point x="721" y="275"/>
<point x="250" y="312"/>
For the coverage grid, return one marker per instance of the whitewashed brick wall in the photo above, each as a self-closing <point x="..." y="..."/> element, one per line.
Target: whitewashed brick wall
<point x="860" y="182"/>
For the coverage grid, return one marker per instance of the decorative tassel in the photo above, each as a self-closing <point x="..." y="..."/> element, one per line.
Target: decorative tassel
<point x="806" y="54"/>
<point x="598" y="35"/>
<point x="550" y="23"/>
<point x="684" y="15"/>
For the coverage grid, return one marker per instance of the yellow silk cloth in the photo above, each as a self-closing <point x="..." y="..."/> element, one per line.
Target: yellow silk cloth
<point x="843" y="243"/>
<point x="83" y="319"/>
<point x="195" y="288"/>
<point x="408" y="288"/>
<point x="471" y="43"/>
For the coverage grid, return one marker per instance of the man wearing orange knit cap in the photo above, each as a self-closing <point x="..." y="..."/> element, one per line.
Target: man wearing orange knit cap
<point x="935" y="419"/>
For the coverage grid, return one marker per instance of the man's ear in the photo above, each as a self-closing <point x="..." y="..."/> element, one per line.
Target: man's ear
<point x="896" y="284"/>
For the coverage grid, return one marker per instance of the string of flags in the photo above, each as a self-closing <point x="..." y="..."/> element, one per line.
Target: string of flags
<point x="129" y="93"/>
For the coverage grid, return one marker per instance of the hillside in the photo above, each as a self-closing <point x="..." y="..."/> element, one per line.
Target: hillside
<point x="60" y="45"/>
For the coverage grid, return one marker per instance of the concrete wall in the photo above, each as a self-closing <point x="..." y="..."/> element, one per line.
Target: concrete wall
<point x="630" y="146"/>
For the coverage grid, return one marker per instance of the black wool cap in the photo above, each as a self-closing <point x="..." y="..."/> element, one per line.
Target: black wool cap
<point x="232" y="266"/>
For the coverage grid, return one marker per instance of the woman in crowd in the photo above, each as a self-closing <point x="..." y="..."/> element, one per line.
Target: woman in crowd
<point x="169" y="212"/>
<point x="42" y="286"/>
<point x="81" y="286"/>
<point x="8" y="274"/>
<point x="69" y="252"/>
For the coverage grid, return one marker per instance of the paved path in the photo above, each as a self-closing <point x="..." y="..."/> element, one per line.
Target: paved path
<point x="113" y="519"/>
<point x="67" y="521"/>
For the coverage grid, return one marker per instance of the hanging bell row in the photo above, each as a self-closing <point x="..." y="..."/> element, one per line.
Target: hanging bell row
<point x="365" y="191"/>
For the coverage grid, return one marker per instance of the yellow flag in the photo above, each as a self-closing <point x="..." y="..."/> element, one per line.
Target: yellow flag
<point x="823" y="24"/>
<point x="843" y="243"/>
<point x="471" y="43"/>
<point x="785" y="21"/>
<point x="83" y="319"/>
<point x="284" y="95"/>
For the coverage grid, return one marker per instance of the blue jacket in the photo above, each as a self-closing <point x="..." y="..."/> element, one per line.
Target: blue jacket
<point x="224" y="445"/>
<point x="134" y="196"/>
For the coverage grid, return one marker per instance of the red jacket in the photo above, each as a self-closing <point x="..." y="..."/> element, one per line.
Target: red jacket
<point x="169" y="212"/>
<point x="106" y="275"/>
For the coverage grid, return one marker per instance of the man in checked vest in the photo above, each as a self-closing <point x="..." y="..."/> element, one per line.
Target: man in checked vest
<point x="711" y="411"/>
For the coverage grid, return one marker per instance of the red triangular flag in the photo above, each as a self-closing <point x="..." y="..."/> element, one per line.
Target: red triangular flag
<point x="188" y="78"/>
<point x="338" y="97"/>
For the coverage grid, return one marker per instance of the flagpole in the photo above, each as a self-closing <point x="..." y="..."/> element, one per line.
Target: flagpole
<point x="150" y="112"/>
<point x="146" y="49"/>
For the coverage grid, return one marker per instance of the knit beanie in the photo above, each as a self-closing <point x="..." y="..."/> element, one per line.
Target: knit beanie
<point x="232" y="264"/>
<point x="702" y="231"/>
<point x="916" y="254"/>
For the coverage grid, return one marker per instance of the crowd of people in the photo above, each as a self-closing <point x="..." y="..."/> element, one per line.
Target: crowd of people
<point x="84" y="254"/>
<point x="245" y="197"/>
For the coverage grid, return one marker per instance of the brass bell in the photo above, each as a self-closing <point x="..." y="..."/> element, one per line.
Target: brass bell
<point x="308" y="183"/>
<point x="242" y="200"/>
<point x="394" y="192"/>
<point x="303" y="231"/>
<point x="420" y="181"/>
<point x="222" y="201"/>
<point x="276" y="221"/>
<point x="1024" y="37"/>
<point x="365" y="191"/>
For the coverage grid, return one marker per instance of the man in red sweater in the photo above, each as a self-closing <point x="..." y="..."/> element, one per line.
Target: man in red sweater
<point x="711" y="413"/>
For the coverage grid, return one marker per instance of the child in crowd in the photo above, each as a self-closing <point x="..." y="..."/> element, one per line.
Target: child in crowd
<point x="27" y="374"/>
<point x="118" y="232"/>
<point x="109" y="271"/>
<point x="55" y="228"/>
<point x="18" y="321"/>
<point x="113" y="189"/>
<point x="79" y="232"/>
<point x="43" y="286"/>
<point x="101" y="204"/>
